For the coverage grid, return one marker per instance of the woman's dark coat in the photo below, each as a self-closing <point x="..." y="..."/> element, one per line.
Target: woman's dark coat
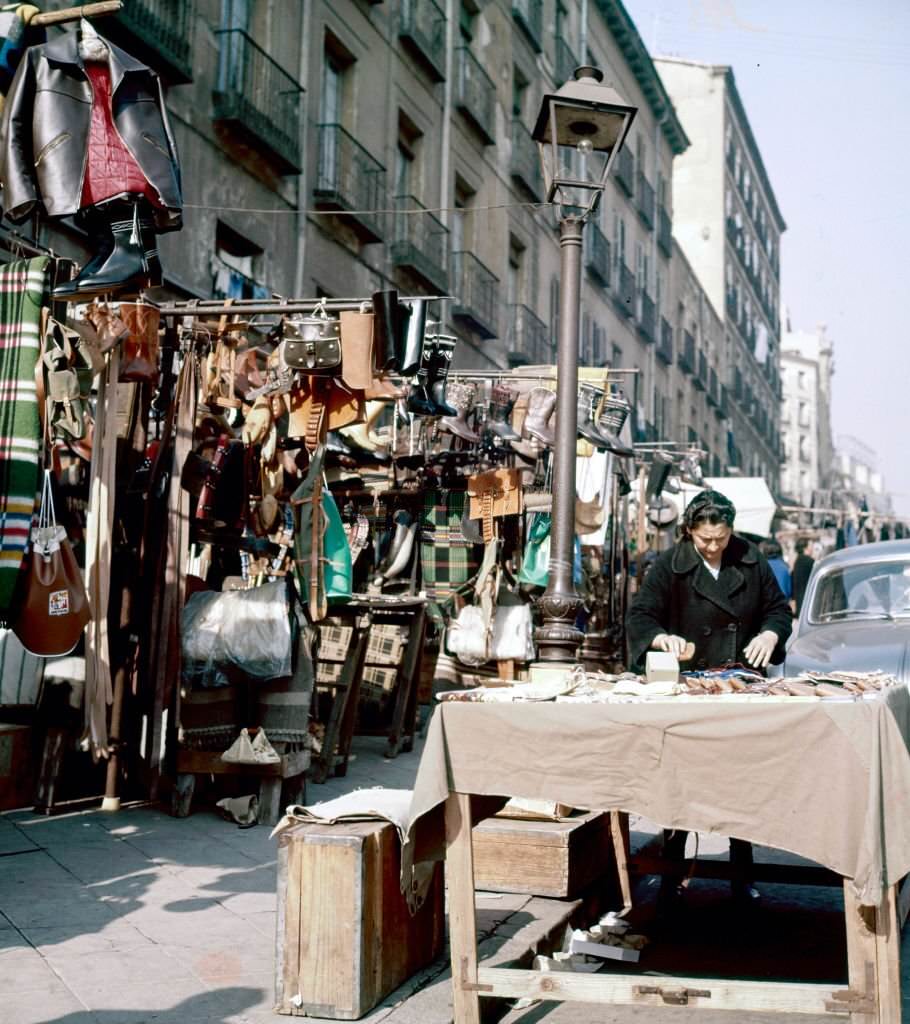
<point x="681" y="597"/>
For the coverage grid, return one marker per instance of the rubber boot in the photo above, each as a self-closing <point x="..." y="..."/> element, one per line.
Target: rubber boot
<point x="132" y="262"/>
<point x="410" y="339"/>
<point x="461" y="398"/>
<point x="385" y="330"/>
<point x="586" y="428"/>
<point x="501" y="401"/>
<point x="541" y="405"/>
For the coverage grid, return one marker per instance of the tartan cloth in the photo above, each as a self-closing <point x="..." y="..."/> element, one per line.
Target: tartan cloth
<point x="328" y="672"/>
<point x="334" y="642"/>
<point x="378" y="683"/>
<point x="384" y="645"/>
<point x="447" y="559"/>
<point x="23" y="288"/>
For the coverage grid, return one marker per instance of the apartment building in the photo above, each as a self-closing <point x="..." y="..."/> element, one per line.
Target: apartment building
<point x="807" y="368"/>
<point x="856" y="467"/>
<point x="728" y="222"/>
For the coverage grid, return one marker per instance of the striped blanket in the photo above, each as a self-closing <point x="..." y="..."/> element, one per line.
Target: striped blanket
<point x="23" y="287"/>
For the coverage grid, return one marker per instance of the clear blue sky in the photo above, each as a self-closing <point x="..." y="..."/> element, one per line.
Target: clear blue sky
<point x="826" y="87"/>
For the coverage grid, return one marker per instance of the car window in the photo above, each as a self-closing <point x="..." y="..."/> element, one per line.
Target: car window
<point x="879" y="589"/>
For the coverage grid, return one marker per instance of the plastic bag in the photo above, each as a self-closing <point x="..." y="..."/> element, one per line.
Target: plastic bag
<point x="247" y="629"/>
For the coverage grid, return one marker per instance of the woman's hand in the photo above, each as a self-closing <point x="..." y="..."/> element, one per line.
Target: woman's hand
<point x="669" y="643"/>
<point x="760" y="648"/>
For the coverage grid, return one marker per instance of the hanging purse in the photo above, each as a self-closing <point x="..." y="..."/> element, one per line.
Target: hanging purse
<point x="312" y="343"/>
<point x="357" y="349"/>
<point x="513" y="630"/>
<point x="494" y="494"/>
<point x="535" y="562"/>
<point x="54" y="608"/>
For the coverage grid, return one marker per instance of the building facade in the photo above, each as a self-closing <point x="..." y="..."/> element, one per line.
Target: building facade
<point x="856" y="466"/>
<point x="807" y="368"/>
<point x="728" y="222"/>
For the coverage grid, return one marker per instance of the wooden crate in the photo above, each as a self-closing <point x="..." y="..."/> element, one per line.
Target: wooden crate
<point x="17" y="776"/>
<point x="543" y="858"/>
<point x="345" y="937"/>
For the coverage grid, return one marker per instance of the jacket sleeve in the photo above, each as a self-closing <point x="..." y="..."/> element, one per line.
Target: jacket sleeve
<point x="17" y="158"/>
<point x="775" y="611"/>
<point x="649" y="613"/>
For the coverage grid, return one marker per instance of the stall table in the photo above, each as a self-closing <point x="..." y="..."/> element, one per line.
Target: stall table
<point x="826" y="780"/>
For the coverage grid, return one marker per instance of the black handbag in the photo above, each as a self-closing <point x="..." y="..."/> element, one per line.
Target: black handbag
<point x="312" y="343"/>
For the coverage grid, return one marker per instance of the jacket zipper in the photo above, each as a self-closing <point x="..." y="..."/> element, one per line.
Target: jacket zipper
<point x="51" y="146"/>
<point x="152" y="141"/>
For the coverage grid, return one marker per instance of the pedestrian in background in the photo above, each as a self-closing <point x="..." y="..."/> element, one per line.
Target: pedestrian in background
<point x="772" y="551"/>
<point x="802" y="570"/>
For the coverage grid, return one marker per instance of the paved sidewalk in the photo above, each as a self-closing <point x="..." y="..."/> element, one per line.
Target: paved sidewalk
<point x="138" y="917"/>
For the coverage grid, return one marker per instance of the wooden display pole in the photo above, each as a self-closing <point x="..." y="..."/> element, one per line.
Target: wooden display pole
<point x="96" y="10"/>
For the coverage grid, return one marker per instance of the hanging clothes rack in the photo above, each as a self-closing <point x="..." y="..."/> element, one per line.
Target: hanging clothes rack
<point x="275" y="307"/>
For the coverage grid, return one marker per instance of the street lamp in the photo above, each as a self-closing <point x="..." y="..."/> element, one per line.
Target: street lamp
<point x="579" y="131"/>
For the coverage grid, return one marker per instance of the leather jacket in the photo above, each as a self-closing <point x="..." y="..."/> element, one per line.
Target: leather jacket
<point x="45" y="130"/>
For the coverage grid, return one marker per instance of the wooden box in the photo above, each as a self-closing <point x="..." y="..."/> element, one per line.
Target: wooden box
<point x="17" y="777"/>
<point x="345" y="937"/>
<point x="542" y="858"/>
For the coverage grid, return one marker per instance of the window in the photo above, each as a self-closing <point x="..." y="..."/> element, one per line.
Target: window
<point x="467" y="15"/>
<point x="236" y="266"/>
<point x="619" y="239"/>
<point x="407" y="158"/>
<point x="519" y="92"/>
<point x="616" y="357"/>
<point x="515" y="285"/>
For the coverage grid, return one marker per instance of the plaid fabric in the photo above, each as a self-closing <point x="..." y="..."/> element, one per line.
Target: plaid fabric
<point x="328" y="672"/>
<point x="448" y="560"/>
<point x="334" y="642"/>
<point x="23" y="287"/>
<point x="211" y="719"/>
<point x="283" y="705"/>
<point x="384" y="645"/>
<point x="378" y="683"/>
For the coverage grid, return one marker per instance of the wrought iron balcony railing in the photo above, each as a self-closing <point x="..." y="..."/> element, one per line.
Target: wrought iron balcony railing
<point x="348" y="178"/>
<point x="524" y="165"/>
<point x="664" y="349"/>
<point x="664" y="231"/>
<point x="625" y="171"/>
<point x="475" y="94"/>
<point x="528" y="341"/>
<point x="624" y="290"/>
<point x="565" y="62"/>
<point x="686" y="357"/>
<point x="420" y="243"/>
<point x="160" y="33"/>
<point x="529" y="15"/>
<point x="258" y="98"/>
<point x="422" y="28"/>
<point x="646" y="201"/>
<point x="476" y="291"/>
<point x="700" y="377"/>
<point x="647" y="317"/>
<point x="597" y="253"/>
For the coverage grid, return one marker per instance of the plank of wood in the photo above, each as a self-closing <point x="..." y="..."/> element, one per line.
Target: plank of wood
<point x="206" y="762"/>
<point x="779" y="874"/>
<point x="462" y="919"/>
<point x="95" y="10"/>
<point x="887" y="958"/>
<point x="619" y="830"/>
<point x="657" y="990"/>
<point x="861" y="960"/>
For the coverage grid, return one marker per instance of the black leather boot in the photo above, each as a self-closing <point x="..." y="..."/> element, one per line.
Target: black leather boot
<point x="385" y="329"/>
<point x="132" y="261"/>
<point x="410" y="338"/>
<point x="501" y="401"/>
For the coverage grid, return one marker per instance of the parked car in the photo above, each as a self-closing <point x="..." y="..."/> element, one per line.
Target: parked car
<point x="856" y="612"/>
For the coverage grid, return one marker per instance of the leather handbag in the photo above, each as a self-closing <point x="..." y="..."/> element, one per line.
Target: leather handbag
<point x="494" y="494"/>
<point x="357" y="349"/>
<point x="312" y="343"/>
<point x="54" y="608"/>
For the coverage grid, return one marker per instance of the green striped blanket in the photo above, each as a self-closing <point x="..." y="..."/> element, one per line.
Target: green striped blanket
<point x="23" y="288"/>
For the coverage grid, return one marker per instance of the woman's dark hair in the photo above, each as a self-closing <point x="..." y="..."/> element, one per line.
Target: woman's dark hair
<point x="708" y="507"/>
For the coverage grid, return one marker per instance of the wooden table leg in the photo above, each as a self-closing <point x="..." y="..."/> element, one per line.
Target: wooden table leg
<point x="619" y="829"/>
<point x="873" y="958"/>
<point x="462" y="920"/>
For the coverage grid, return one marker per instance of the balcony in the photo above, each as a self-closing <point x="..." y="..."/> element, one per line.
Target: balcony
<point x="700" y="377"/>
<point x="528" y="341"/>
<point x="528" y="14"/>
<point x="258" y="99"/>
<point x="624" y="290"/>
<point x="713" y="390"/>
<point x="420" y="243"/>
<point x="476" y="292"/>
<point x="565" y="62"/>
<point x="647" y="318"/>
<point x="646" y="201"/>
<point x="348" y="178"/>
<point x="158" y="33"/>
<point x="664" y="231"/>
<point x="475" y="94"/>
<point x="664" y="349"/>
<point x="597" y="254"/>
<point x="422" y="29"/>
<point x="625" y="171"/>
<point x="524" y="165"/>
<point x="686" y="357"/>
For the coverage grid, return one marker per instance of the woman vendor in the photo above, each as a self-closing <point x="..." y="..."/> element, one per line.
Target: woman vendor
<point x="717" y="591"/>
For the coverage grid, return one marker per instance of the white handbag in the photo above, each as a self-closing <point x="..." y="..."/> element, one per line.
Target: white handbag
<point x="468" y="636"/>
<point x="513" y="633"/>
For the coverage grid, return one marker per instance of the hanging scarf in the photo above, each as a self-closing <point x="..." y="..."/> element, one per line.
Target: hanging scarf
<point x="23" y="287"/>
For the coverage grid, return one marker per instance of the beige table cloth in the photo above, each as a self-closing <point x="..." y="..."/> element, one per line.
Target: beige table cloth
<point x="827" y="780"/>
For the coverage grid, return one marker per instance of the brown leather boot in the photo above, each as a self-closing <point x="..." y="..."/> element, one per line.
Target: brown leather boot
<point x="139" y="354"/>
<point x="541" y="403"/>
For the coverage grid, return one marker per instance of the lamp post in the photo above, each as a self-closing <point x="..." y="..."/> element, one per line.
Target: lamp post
<point x="579" y="131"/>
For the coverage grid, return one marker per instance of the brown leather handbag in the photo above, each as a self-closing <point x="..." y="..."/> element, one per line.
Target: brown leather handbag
<point x="494" y="493"/>
<point x="54" y="608"/>
<point x="139" y="355"/>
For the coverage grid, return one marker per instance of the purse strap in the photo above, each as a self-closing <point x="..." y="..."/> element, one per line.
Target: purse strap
<point x="47" y="516"/>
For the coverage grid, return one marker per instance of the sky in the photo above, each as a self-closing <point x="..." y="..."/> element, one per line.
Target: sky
<point x="826" y="88"/>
